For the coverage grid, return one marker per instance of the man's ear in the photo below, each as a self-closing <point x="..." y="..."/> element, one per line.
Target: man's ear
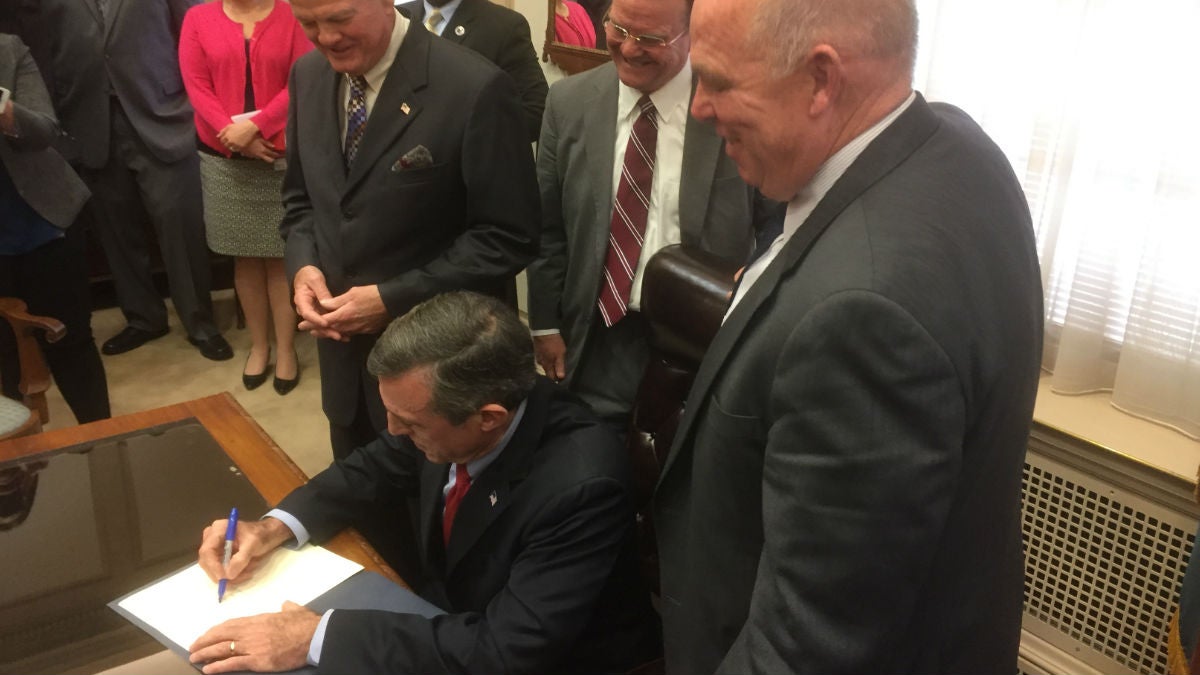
<point x="493" y="416"/>
<point x="824" y="69"/>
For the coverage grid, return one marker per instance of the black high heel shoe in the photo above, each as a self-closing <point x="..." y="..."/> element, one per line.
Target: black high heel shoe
<point x="252" y="382"/>
<point x="282" y="386"/>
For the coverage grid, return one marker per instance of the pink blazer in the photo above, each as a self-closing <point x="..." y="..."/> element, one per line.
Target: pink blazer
<point x="212" y="59"/>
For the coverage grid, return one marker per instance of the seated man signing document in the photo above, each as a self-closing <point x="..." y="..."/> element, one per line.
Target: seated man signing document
<point x="526" y="519"/>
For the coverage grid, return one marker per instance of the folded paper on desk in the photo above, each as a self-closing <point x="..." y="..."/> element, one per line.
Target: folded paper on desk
<point x="180" y="607"/>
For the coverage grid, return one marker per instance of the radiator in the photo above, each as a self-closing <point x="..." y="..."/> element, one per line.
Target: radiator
<point x="1107" y="539"/>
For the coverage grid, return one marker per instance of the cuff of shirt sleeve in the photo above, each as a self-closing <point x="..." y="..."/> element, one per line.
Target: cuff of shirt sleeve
<point x="318" y="639"/>
<point x="298" y="530"/>
<point x="544" y="331"/>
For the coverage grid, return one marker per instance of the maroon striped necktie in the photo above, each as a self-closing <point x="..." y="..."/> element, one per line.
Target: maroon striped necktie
<point x="630" y="209"/>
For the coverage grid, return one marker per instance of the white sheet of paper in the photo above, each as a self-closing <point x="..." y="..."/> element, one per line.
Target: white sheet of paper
<point x="184" y="605"/>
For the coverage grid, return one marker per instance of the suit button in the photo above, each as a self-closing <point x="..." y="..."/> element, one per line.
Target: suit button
<point x="348" y="214"/>
<point x="351" y="275"/>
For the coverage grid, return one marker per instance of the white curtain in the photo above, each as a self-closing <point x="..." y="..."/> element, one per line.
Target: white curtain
<point x="1095" y="103"/>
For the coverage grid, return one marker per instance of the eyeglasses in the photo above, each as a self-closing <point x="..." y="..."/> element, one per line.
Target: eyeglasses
<point x="616" y="34"/>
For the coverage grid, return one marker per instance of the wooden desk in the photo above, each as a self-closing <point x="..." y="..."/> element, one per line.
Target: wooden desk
<point x="120" y="467"/>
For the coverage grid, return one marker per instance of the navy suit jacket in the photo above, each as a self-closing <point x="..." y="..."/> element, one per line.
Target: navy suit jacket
<point x="540" y="575"/>
<point x="502" y="37"/>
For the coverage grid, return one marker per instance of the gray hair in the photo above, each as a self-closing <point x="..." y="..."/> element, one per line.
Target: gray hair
<point x="476" y="348"/>
<point x="875" y="28"/>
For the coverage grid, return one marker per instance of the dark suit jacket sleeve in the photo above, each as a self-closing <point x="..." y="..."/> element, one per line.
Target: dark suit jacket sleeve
<point x="179" y="9"/>
<point x="346" y="491"/>
<point x="300" y="247"/>
<point x="547" y="274"/>
<point x="518" y="58"/>
<point x="861" y="463"/>
<point x="501" y="235"/>
<point x="34" y="114"/>
<point x="572" y="546"/>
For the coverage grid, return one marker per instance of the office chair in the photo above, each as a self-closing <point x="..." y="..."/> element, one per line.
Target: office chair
<point x="684" y="297"/>
<point x="27" y="417"/>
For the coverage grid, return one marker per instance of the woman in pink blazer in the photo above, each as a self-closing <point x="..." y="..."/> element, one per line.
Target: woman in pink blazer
<point x="235" y="56"/>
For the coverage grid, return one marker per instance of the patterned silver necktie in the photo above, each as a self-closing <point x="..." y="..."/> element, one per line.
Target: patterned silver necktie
<point x="356" y="118"/>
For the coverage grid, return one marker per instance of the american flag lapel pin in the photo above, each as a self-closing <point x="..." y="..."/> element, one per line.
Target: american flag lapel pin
<point x="404" y="108"/>
<point x="492" y="498"/>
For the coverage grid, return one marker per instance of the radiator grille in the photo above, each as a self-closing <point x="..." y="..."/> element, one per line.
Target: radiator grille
<point x="1100" y="567"/>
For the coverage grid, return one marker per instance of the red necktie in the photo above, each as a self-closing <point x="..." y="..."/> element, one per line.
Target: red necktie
<point x="462" y="483"/>
<point x="629" y="215"/>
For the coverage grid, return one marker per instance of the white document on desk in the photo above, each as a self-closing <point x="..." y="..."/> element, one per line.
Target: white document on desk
<point x="184" y="605"/>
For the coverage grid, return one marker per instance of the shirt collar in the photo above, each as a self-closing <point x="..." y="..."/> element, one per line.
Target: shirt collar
<point x="447" y="11"/>
<point x="475" y="467"/>
<point x="378" y="72"/>
<point x="671" y="100"/>
<point x="840" y="161"/>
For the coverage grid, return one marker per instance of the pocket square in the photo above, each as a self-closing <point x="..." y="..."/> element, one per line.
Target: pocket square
<point x="417" y="158"/>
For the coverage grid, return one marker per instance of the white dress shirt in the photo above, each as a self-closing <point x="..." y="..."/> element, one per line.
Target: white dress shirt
<point x="375" y="76"/>
<point x="801" y="206"/>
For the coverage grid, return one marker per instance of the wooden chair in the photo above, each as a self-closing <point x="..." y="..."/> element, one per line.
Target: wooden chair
<point x="17" y="419"/>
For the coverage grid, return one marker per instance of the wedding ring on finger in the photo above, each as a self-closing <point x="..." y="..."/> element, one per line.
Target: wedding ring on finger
<point x="232" y="647"/>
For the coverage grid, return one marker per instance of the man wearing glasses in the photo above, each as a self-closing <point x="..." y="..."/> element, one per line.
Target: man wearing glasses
<point x="624" y="171"/>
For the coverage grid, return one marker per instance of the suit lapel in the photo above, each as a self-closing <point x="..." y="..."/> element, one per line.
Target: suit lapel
<point x="463" y="17"/>
<point x="600" y="137"/>
<point x="110" y="16"/>
<point x="884" y="154"/>
<point x="490" y="494"/>
<point x="325" y="98"/>
<point x="95" y="10"/>
<point x="701" y="152"/>
<point x="397" y="106"/>
<point x="433" y="479"/>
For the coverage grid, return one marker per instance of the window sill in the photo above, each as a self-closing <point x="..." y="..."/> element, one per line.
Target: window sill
<point x="1092" y="418"/>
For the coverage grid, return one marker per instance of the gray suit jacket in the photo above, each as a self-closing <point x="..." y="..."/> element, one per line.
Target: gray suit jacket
<point x="467" y="221"/>
<point x="132" y="52"/>
<point x="843" y="494"/>
<point x="575" y="164"/>
<point x="42" y="177"/>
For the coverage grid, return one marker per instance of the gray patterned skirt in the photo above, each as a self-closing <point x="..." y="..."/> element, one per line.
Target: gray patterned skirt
<point x="242" y="206"/>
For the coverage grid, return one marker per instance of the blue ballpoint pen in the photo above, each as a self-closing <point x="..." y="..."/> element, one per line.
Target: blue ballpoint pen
<point x="230" y="535"/>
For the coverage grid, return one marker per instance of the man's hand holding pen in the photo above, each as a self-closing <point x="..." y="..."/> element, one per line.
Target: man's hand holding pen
<point x="262" y="643"/>
<point x="255" y="539"/>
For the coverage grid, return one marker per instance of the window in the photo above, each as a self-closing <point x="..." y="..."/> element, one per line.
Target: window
<point x="1096" y="105"/>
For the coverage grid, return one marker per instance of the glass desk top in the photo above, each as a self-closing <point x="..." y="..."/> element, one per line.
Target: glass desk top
<point x="85" y="524"/>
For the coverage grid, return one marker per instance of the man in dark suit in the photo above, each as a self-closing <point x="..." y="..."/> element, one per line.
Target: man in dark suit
<point x="499" y="34"/>
<point x="530" y="550"/>
<point x="41" y="256"/>
<point x="408" y="175"/>
<point x="120" y="97"/>
<point x="696" y="198"/>
<point x="843" y="494"/>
